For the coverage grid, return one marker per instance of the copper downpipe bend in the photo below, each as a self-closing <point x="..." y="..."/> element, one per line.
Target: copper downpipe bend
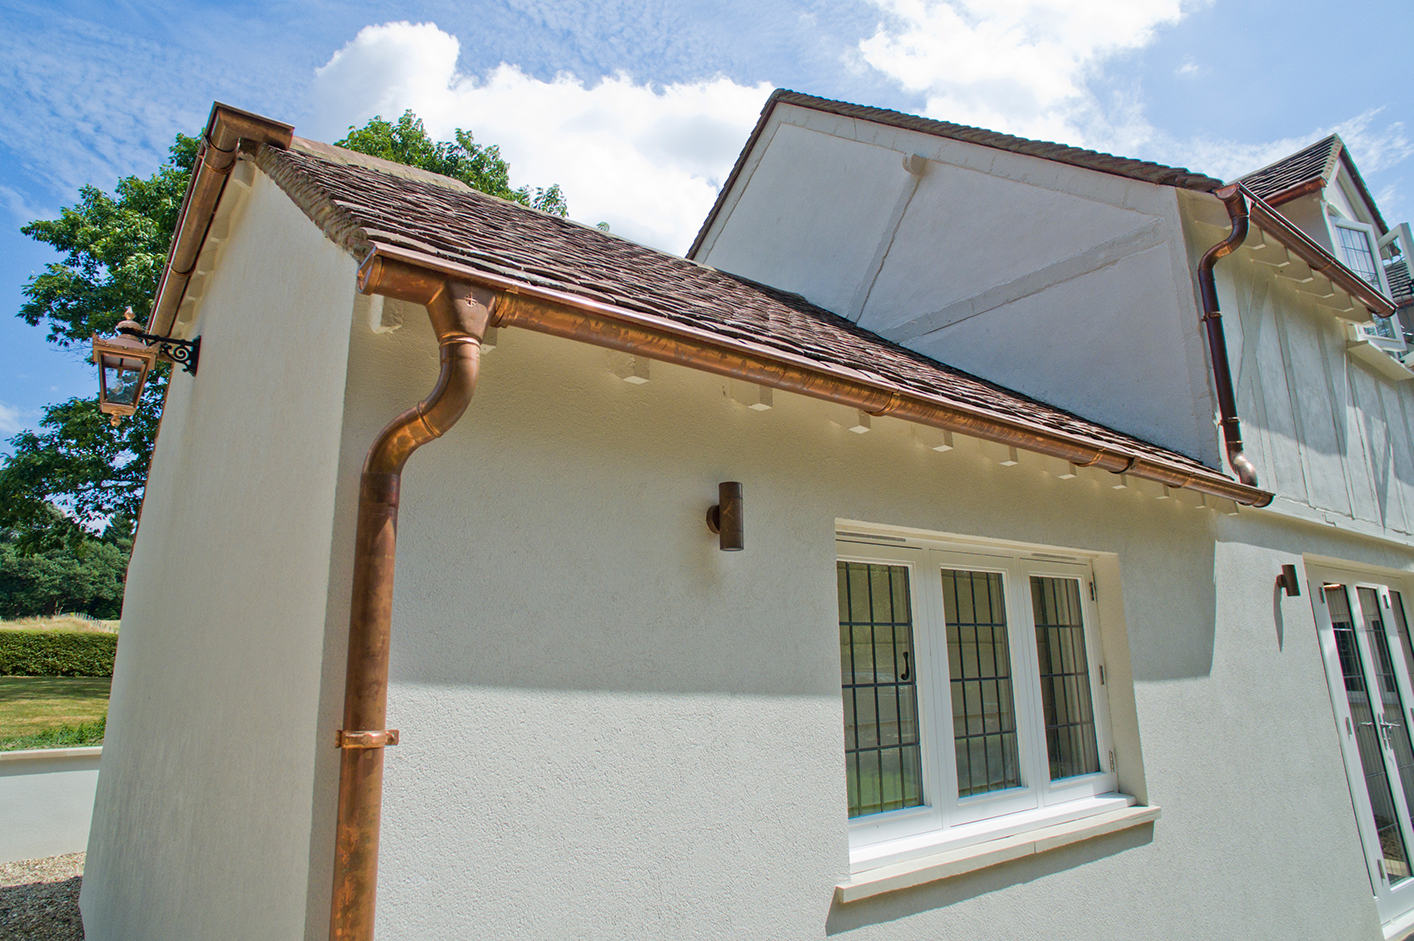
<point x="460" y="314"/>
<point x="1236" y="207"/>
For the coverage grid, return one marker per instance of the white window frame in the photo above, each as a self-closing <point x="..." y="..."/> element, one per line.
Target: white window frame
<point x="946" y="821"/>
<point x="1335" y="220"/>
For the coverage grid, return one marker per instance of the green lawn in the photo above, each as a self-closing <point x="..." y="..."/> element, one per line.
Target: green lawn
<point x="52" y="711"/>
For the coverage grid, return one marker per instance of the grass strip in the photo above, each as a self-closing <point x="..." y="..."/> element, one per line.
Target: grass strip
<point x="65" y="736"/>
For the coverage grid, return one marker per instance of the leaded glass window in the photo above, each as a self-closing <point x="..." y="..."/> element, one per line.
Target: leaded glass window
<point x="882" y="760"/>
<point x="1067" y="709"/>
<point x="979" y="663"/>
<point x="1358" y="253"/>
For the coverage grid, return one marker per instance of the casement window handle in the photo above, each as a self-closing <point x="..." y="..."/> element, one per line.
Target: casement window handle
<point x="905" y="675"/>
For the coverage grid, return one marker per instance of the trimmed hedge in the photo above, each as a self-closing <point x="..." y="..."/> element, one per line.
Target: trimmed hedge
<point x="56" y="653"/>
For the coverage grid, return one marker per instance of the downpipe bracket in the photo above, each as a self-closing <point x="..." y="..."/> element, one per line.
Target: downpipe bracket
<point x="378" y="739"/>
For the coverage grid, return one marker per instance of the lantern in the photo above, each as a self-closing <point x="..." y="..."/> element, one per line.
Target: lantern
<point x="123" y="364"/>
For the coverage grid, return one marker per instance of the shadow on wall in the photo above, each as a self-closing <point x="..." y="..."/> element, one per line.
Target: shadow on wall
<point x="895" y="905"/>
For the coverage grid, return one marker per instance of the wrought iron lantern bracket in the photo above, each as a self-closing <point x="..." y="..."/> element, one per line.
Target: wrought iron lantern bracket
<point x="182" y="352"/>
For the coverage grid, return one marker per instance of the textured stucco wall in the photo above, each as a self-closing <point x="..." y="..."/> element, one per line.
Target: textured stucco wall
<point x="201" y="821"/>
<point x="612" y="729"/>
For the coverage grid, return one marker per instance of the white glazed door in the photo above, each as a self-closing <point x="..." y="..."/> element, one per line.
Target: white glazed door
<point x="1365" y="643"/>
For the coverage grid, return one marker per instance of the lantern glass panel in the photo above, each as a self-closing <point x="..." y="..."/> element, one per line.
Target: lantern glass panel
<point x="122" y="378"/>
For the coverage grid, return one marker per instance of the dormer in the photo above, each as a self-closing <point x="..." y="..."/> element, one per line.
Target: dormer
<point x="1320" y="190"/>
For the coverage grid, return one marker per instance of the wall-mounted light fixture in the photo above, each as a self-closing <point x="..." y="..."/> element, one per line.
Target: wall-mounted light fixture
<point x="124" y="362"/>
<point x="725" y="519"/>
<point x="1289" y="582"/>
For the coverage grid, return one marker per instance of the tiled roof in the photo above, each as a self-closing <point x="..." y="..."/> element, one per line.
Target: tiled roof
<point x="1061" y="153"/>
<point x="1303" y="172"/>
<point x="357" y="203"/>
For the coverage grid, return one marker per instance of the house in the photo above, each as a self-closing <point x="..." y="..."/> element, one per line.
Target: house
<point x="1089" y="460"/>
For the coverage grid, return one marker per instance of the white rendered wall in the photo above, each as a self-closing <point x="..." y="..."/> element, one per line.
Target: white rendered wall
<point x="1066" y="284"/>
<point x="46" y="801"/>
<point x="611" y="729"/>
<point x="201" y="825"/>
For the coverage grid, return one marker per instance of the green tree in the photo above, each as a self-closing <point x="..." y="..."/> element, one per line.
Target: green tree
<point x="83" y="578"/>
<point x="479" y="167"/>
<point x="74" y="485"/>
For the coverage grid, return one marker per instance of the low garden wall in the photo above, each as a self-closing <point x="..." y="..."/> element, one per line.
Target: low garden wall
<point x="46" y="801"/>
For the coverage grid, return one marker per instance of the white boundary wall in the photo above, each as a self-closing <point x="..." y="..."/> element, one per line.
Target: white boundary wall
<point x="46" y="801"/>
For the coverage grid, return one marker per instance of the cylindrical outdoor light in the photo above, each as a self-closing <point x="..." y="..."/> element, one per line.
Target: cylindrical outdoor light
<point x="725" y="519"/>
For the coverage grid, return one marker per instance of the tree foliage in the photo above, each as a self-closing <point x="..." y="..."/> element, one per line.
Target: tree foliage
<point x="79" y="578"/>
<point x="480" y="167"/>
<point x="71" y="490"/>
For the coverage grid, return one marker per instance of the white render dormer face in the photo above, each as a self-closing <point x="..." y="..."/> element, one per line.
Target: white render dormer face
<point x="1064" y="283"/>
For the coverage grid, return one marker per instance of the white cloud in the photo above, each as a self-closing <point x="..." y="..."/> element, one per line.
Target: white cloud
<point x="1029" y="67"/>
<point x="646" y="159"/>
<point x="20" y="207"/>
<point x="13" y="419"/>
<point x="1019" y="66"/>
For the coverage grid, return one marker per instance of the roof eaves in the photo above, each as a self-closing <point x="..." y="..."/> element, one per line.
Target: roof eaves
<point x="1270" y="220"/>
<point x="1363" y="190"/>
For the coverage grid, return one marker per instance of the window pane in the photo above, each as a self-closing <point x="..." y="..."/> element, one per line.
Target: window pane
<point x="1358" y="254"/>
<point x="1391" y="703"/>
<point x="1367" y="740"/>
<point x="1065" y="677"/>
<point x="879" y="687"/>
<point x="979" y="664"/>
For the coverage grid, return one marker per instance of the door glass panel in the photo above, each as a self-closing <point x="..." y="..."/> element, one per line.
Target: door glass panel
<point x="1391" y="705"/>
<point x="1367" y="737"/>
<point x="1402" y="626"/>
<point x="878" y="682"/>
<point x="979" y="666"/>
<point x="1065" y="677"/>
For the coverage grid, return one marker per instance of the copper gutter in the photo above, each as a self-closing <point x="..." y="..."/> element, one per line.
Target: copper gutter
<point x="459" y="314"/>
<point x="1316" y="258"/>
<point x="562" y="314"/>
<point x="1217" y="342"/>
<point x="220" y="143"/>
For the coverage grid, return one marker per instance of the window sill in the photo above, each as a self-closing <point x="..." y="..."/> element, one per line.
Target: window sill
<point x="935" y="868"/>
<point x="1381" y="361"/>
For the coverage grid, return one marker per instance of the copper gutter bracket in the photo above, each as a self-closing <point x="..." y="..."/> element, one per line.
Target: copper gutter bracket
<point x="460" y="314"/>
<point x="1236" y="207"/>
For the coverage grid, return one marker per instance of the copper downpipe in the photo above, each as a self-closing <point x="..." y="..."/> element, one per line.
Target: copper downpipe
<point x="1236" y="207"/>
<point x="459" y="313"/>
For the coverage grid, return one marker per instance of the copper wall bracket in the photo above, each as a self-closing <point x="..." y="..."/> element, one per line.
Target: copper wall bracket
<point x="379" y="739"/>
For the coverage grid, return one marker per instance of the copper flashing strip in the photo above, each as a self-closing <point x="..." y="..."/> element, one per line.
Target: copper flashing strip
<point x="459" y="313"/>
<point x="1316" y="258"/>
<point x="225" y="129"/>
<point x="563" y="314"/>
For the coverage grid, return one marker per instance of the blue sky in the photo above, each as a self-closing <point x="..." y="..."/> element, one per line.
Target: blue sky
<point x="637" y="107"/>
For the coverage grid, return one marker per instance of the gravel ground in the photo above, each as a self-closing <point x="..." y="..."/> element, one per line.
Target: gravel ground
<point x="39" y="899"/>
